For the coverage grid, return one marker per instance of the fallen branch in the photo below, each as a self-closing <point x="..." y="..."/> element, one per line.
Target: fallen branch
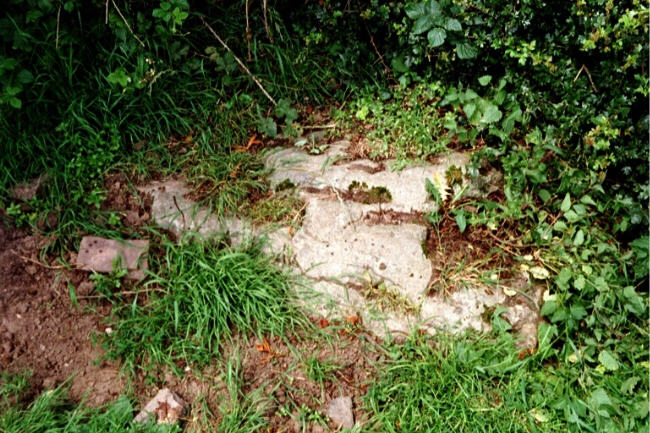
<point x="243" y="66"/>
<point x="126" y="22"/>
<point x="586" y="69"/>
<point x="266" y="22"/>
<point x="36" y="262"/>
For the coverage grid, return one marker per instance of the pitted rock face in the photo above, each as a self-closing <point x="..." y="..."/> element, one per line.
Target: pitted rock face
<point x="364" y="257"/>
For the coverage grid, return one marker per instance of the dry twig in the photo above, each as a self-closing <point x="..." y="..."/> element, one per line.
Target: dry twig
<point x="126" y="22"/>
<point x="243" y="66"/>
<point x="36" y="262"/>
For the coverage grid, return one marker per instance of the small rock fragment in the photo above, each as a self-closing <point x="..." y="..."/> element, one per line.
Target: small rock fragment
<point x="100" y="255"/>
<point x="340" y="412"/>
<point x="27" y="190"/>
<point x="166" y="406"/>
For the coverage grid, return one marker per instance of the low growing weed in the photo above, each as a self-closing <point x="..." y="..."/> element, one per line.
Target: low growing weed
<point x="203" y="293"/>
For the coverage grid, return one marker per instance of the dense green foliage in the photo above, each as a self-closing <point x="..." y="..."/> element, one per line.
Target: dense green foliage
<point x="552" y="93"/>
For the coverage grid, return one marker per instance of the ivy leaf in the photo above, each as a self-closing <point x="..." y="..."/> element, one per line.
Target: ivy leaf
<point x="492" y="114"/>
<point x="436" y="37"/>
<point x="423" y="24"/>
<point x="608" y="361"/>
<point x="453" y="24"/>
<point x="485" y="80"/>
<point x="566" y="203"/>
<point x="267" y="126"/>
<point x="25" y="76"/>
<point x="466" y="51"/>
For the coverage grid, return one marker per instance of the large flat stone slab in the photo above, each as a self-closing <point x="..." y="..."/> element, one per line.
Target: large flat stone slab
<point x="333" y="243"/>
<point x="363" y="258"/>
<point x="406" y="187"/>
<point x="104" y="255"/>
<point x="173" y="211"/>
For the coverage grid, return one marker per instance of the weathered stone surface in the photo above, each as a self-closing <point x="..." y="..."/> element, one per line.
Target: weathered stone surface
<point x="460" y="310"/>
<point x="332" y="243"/>
<point x="406" y="187"/>
<point x="166" y="406"/>
<point x="523" y="311"/>
<point x="101" y="255"/>
<point x="340" y="412"/>
<point x="359" y="263"/>
<point x="27" y="190"/>
<point x="171" y="210"/>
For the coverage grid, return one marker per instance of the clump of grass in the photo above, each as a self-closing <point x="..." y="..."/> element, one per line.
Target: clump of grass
<point x="461" y="384"/>
<point x="52" y="412"/>
<point x="283" y="208"/>
<point x="202" y="293"/>
<point x="225" y="179"/>
<point x="320" y="371"/>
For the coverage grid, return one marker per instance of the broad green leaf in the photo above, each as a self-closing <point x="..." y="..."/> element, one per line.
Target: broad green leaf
<point x="466" y="51"/>
<point x="398" y="65"/>
<point x="607" y="360"/>
<point x="416" y="10"/>
<point x="485" y="80"/>
<point x="461" y="221"/>
<point x="566" y="203"/>
<point x="548" y="308"/>
<point x="453" y="24"/>
<point x="423" y="24"/>
<point x="470" y="110"/>
<point x="586" y="199"/>
<point x="600" y="398"/>
<point x="436" y="37"/>
<point x="544" y="195"/>
<point x="491" y="114"/>
<point x="8" y="64"/>
<point x="629" y="385"/>
<point x="15" y="102"/>
<point x="118" y="76"/>
<point x="579" y="282"/>
<point x="25" y="76"/>
<point x="267" y="126"/>
<point x="579" y="239"/>
<point x="634" y="302"/>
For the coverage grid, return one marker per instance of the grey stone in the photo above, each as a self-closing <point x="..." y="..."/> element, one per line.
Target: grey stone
<point x="27" y="190"/>
<point x="333" y="243"/>
<point x="101" y="255"/>
<point x="407" y="186"/>
<point x="460" y="310"/>
<point x="346" y="250"/>
<point x="171" y="210"/>
<point x="340" y="412"/>
<point x="166" y="406"/>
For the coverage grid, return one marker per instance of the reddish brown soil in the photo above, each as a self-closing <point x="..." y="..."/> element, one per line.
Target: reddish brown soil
<point x="451" y="250"/>
<point x="40" y="332"/>
<point x="133" y="207"/>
